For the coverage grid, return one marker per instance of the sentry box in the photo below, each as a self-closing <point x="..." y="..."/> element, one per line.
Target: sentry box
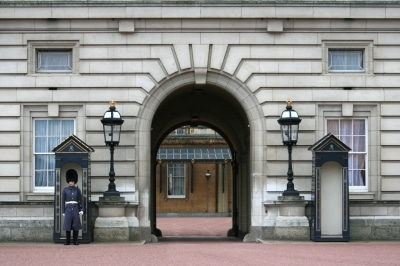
<point x="72" y="154"/>
<point x="330" y="190"/>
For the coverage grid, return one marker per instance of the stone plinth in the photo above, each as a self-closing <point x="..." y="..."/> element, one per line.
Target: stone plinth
<point x="116" y="221"/>
<point x="286" y="219"/>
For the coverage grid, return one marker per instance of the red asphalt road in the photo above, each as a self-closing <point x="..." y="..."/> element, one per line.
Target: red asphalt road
<point x="185" y="244"/>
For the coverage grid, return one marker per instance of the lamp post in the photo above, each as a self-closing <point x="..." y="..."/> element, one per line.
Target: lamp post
<point x="208" y="175"/>
<point x="289" y="122"/>
<point x="112" y="122"/>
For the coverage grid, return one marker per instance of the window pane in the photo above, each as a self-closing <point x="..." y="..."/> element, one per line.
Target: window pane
<point x="353" y="133"/>
<point x="40" y="170"/>
<point x="67" y="126"/>
<point x="54" y="128"/>
<point x="48" y="134"/>
<point x="45" y="170"/>
<point x="345" y="60"/>
<point x="40" y="128"/>
<point x="359" y="127"/>
<point x="40" y="179"/>
<point x="359" y="144"/>
<point x="40" y="162"/>
<point x="41" y="144"/>
<point x="177" y="188"/>
<point x="348" y="140"/>
<point x="40" y="136"/>
<point x="51" y="171"/>
<point x="52" y="60"/>
<point x="333" y="127"/>
<point x="345" y="127"/>
<point x="53" y="142"/>
<point x="176" y="180"/>
<point x="357" y="170"/>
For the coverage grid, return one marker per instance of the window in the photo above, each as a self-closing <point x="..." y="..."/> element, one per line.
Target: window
<point x="176" y="180"/>
<point x="179" y="131"/>
<point x="47" y="135"/>
<point x="53" y="57"/>
<point x="345" y="60"/>
<point x="347" y="56"/>
<point x="353" y="133"/>
<point x="54" y="61"/>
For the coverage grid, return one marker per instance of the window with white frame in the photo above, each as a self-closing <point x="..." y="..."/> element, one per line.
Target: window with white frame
<point x="176" y="180"/>
<point x="51" y="60"/>
<point x="353" y="132"/>
<point x="48" y="133"/>
<point x="346" y="60"/>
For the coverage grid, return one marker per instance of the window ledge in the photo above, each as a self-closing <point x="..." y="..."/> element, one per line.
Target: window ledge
<point x="361" y="196"/>
<point x="40" y="74"/>
<point x="360" y="74"/>
<point x="346" y="72"/>
<point x="40" y="197"/>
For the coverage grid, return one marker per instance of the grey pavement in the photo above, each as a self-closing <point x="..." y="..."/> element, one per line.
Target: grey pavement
<point x="188" y="248"/>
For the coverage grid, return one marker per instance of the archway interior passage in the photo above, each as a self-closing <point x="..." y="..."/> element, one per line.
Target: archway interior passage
<point x="189" y="108"/>
<point x="194" y="183"/>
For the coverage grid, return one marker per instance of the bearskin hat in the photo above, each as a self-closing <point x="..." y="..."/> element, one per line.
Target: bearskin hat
<point x="72" y="175"/>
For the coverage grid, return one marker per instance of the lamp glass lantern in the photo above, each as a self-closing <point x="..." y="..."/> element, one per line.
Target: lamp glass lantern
<point x="289" y="122"/>
<point x="112" y="123"/>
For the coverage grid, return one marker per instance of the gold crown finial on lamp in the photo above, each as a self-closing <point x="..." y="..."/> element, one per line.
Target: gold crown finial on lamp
<point x="289" y="102"/>
<point x="112" y="104"/>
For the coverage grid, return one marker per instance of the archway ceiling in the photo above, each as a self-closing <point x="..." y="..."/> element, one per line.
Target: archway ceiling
<point x="203" y="104"/>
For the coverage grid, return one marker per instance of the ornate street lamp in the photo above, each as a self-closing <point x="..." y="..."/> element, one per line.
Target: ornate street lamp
<point x="289" y="122"/>
<point x="112" y="122"/>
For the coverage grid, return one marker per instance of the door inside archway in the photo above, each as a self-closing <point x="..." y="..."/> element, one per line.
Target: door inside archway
<point x="209" y="106"/>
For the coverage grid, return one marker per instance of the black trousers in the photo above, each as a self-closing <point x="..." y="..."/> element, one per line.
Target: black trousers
<point x="74" y="237"/>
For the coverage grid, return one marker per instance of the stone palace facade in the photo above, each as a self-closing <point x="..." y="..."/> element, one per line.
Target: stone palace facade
<point x="227" y="65"/>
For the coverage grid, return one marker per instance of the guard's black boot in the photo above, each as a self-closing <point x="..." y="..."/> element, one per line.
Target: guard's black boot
<point x="75" y="237"/>
<point x="68" y="238"/>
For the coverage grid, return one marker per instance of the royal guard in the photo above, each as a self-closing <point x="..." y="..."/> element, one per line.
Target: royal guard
<point x="72" y="207"/>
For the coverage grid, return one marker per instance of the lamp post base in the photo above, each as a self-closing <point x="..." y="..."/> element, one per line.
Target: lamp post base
<point x="292" y="198"/>
<point x="111" y="198"/>
<point x="112" y="224"/>
<point x="286" y="219"/>
<point x="291" y="193"/>
<point x="111" y="194"/>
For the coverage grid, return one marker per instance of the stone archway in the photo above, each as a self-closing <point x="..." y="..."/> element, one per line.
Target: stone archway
<point x="220" y="103"/>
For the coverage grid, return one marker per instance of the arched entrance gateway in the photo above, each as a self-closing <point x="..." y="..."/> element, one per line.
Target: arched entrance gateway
<point x="224" y="105"/>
